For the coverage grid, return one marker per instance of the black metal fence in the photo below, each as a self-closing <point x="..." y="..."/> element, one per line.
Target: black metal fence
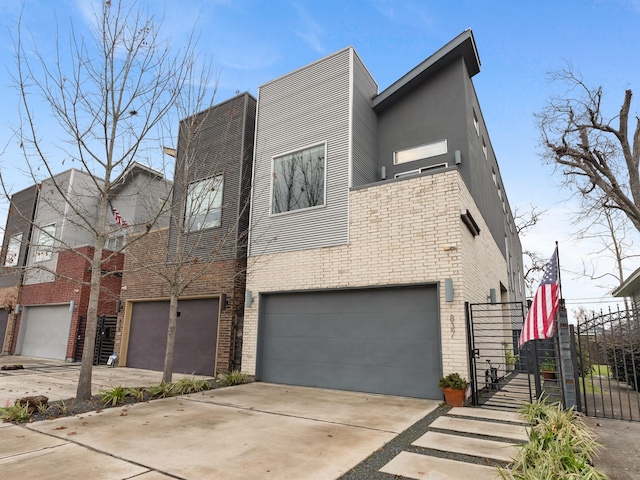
<point x="608" y="364"/>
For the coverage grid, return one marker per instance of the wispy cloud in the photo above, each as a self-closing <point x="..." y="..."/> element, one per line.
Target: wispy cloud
<point x="309" y="30"/>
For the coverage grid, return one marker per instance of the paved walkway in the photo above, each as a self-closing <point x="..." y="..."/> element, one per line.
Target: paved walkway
<point x="481" y="433"/>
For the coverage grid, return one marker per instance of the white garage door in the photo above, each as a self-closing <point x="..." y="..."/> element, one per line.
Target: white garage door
<point x="45" y="331"/>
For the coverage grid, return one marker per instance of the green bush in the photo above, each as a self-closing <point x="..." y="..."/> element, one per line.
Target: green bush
<point x="162" y="390"/>
<point x="191" y="385"/>
<point x="560" y="446"/>
<point x="453" y="380"/>
<point x="114" y="396"/>
<point x="622" y="351"/>
<point x="235" y="377"/>
<point x="15" y="413"/>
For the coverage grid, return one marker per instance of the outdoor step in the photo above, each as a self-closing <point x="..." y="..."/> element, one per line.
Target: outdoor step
<point x="476" y="447"/>
<point x="424" y="467"/>
<point x="486" y="413"/>
<point x="492" y="429"/>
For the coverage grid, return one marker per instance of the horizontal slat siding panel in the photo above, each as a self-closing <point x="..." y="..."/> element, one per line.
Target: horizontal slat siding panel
<point x="365" y="127"/>
<point x="306" y="107"/>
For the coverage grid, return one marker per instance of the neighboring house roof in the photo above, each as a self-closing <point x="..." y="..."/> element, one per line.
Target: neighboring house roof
<point x="132" y="170"/>
<point x="629" y="286"/>
<point x="462" y="46"/>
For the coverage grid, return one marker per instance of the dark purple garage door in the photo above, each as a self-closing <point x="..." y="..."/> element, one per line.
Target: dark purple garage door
<point x="196" y="336"/>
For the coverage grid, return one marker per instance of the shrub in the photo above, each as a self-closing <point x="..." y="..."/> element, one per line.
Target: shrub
<point x="453" y="380"/>
<point x="162" y="390"/>
<point x="622" y="351"/>
<point x="15" y="413"/>
<point x="235" y="377"/>
<point x="559" y="446"/>
<point x="114" y="396"/>
<point x="191" y="385"/>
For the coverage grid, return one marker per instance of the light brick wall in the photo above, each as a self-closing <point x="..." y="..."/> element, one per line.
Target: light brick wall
<point x="399" y="233"/>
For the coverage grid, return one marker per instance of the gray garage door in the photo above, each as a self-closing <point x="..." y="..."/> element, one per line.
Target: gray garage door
<point x="196" y="336"/>
<point x="383" y="340"/>
<point x="45" y="331"/>
<point x="4" y="320"/>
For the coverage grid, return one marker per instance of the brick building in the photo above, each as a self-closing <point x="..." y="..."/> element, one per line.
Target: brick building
<point x="376" y="219"/>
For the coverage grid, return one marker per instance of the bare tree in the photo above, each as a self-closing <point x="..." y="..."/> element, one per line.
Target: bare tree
<point x="597" y="154"/>
<point x="108" y="93"/>
<point x="534" y="263"/>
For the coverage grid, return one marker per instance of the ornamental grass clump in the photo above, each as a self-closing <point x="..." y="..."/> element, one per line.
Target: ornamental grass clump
<point x="15" y="413"/>
<point x="560" y="446"/>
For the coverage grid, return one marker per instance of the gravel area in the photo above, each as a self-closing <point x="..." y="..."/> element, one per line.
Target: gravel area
<point x="369" y="468"/>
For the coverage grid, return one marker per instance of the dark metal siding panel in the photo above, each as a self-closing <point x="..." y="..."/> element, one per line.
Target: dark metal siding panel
<point x="196" y="336"/>
<point x="307" y="107"/>
<point x="19" y="218"/>
<point x="365" y="127"/>
<point x="381" y="340"/>
<point x="218" y="148"/>
<point x="4" y="320"/>
<point x="247" y="169"/>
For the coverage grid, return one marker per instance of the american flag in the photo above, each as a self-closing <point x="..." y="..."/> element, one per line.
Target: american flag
<point x="119" y="220"/>
<point x="540" y="322"/>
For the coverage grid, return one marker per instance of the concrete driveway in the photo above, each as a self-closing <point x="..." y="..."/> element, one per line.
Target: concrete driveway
<point x="252" y="431"/>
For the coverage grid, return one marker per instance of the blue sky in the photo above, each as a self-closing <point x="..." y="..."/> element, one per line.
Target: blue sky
<point x="252" y="42"/>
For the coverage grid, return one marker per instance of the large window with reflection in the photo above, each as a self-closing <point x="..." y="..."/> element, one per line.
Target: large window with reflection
<point x="299" y="179"/>
<point x="203" y="206"/>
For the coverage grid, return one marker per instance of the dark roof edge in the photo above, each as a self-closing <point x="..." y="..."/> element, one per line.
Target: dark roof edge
<point x="627" y="287"/>
<point x="463" y="46"/>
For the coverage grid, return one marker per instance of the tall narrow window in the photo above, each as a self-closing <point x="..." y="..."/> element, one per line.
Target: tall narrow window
<point x="476" y="125"/>
<point x="298" y="179"/>
<point x="203" y="206"/>
<point x="44" y="247"/>
<point x="13" y="250"/>
<point x="484" y="148"/>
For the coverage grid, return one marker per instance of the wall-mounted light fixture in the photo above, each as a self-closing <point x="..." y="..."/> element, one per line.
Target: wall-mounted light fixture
<point x="72" y="306"/>
<point x="448" y="289"/>
<point x="17" y="310"/>
<point x="458" y="157"/>
<point x="248" y="299"/>
<point x="383" y="172"/>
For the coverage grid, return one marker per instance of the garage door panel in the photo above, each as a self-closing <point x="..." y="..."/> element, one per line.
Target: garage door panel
<point x="45" y="331"/>
<point x="195" y="342"/>
<point x="383" y="340"/>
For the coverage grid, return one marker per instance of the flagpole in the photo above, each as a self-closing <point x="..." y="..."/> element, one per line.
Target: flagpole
<point x="559" y="278"/>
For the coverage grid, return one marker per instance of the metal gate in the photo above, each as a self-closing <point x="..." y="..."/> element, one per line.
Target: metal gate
<point x="608" y="361"/>
<point x="105" y="339"/>
<point x="502" y="374"/>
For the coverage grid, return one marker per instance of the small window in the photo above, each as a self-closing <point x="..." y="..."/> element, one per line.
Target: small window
<point x="493" y="175"/>
<point x="476" y="125"/>
<point x="420" y="152"/>
<point x="203" y="206"/>
<point x="421" y="170"/>
<point x="13" y="250"/>
<point x="484" y="148"/>
<point x="44" y="246"/>
<point x="114" y="243"/>
<point x="298" y="179"/>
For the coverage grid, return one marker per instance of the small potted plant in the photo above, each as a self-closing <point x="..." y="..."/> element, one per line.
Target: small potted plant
<point x="548" y="369"/>
<point x="454" y="388"/>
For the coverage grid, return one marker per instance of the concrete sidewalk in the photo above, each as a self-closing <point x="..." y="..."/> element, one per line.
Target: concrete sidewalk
<point x="251" y="431"/>
<point x="58" y="380"/>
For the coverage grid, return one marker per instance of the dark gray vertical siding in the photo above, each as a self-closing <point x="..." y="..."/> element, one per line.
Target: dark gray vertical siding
<point x="365" y="127"/>
<point x="19" y="217"/>
<point x="218" y="148"/>
<point x="306" y="107"/>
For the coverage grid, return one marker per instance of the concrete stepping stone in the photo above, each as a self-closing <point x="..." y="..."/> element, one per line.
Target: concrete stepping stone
<point x="493" y="429"/>
<point x="487" y="414"/>
<point x="423" y="467"/>
<point x="476" y="447"/>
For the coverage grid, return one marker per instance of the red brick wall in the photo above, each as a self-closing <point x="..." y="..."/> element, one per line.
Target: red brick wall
<point x="215" y="278"/>
<point x="75" y="270"/>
